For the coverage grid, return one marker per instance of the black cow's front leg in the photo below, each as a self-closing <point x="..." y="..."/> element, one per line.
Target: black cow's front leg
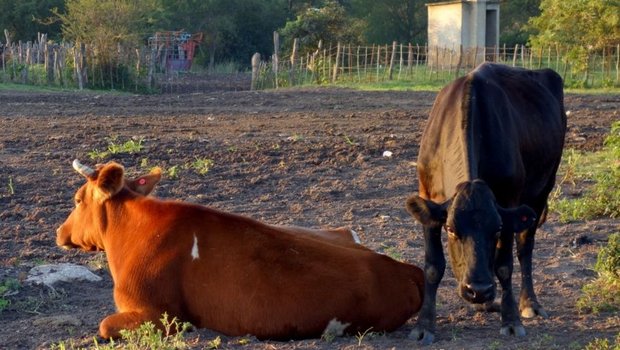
<point x="511" y="323"/>
<point x="528" y="304"/>
<point x="434" y="267"/>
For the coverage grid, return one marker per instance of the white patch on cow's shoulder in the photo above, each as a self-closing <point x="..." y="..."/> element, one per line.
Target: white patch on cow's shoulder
<point x="195" y="254"/>
<point x="356" y="237"/>
<point x="334" y="329"/>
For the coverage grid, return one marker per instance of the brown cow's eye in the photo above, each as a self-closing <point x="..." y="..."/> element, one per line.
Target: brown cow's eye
<point x="78" y="201"/>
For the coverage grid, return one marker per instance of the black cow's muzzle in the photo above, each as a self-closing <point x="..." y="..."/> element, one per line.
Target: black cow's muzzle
<point x="477" y="293"/>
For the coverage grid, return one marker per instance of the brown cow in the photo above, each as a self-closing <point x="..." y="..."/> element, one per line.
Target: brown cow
<point x="228" y="272"/>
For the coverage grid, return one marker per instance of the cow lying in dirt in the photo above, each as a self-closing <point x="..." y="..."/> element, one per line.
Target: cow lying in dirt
<point x="228" y="272"/>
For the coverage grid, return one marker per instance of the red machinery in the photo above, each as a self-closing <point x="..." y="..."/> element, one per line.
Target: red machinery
<point x="175" y="49"/>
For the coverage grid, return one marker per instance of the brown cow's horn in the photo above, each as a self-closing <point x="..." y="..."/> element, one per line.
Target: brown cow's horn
<point x="82" y="169"/>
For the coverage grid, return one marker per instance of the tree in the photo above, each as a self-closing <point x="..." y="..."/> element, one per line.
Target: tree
<point x="24" y="19"/>
<point x="582" y="26"/>
<point x="514" y="18"/>
<point x="328" y="24"/>
<point x="592" y="24"/>
<point x="107" y="23"/>
<point x="401" y="20"/>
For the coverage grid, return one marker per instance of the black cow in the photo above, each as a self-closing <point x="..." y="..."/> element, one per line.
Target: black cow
<point x="488" y="160"/>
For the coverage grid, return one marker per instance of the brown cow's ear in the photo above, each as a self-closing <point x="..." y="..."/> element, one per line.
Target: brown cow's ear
<point x="427" y="212"/>
<point x="519" y="219"/>
<point x="145" y="184"/>
<point x="109" y="180"/>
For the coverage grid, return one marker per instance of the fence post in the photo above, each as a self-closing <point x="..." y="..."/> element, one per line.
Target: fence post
<point x="378" y="60"/>
<point x="336" y="64"/>
<point x="78" y="69"/>
<point x="291" y="74"/>
<point x="392" y="60"/>
<point x="618" y="63"/>
<point x="459" y="62"/>
<point x="276" y="48"/>
<point x="255" y="66"/>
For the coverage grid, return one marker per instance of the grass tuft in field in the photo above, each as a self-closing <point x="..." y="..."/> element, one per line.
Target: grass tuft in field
<point x="601" y="172"/>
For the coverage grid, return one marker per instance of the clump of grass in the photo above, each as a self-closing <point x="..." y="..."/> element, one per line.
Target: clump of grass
<point x="11" y="187"/>
<point x="602" y="170"/>
<point x="116" y="147"/>
<point x="603" y="294"/>
<point x="147" y="336"/>
<point x="201" y="165"/>
<point x="8" y="287"/>
<point x="604" y="344"/>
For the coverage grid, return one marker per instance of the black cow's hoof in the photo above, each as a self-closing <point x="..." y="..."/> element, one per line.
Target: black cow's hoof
<point x="424" y="337"/>
<point x="533" y="311"/>
<point x="517" y="330"/>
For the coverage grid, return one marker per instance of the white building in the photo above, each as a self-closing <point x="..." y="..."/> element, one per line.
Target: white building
<point x="474" y="24"/>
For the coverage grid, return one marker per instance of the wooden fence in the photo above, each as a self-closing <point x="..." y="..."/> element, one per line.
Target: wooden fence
<point x="81" y="66"/>
<point x="422" y="64"/>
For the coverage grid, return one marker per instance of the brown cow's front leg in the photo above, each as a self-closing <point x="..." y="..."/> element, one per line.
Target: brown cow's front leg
<point x="112" y="325"/>
<point x="528" y="304"/>
<point x="434" y="267"/>
<point x="511" y="323"/>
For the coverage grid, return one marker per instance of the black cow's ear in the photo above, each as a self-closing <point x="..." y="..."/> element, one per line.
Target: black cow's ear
<point x="427" y="212"/>
<point x="518" y="219"/>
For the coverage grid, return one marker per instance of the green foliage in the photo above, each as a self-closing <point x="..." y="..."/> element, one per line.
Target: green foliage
<point x="202" y="165"/>
<point x="147" y="336"/>
<point x="10" y="186"/>
<point x="584" y="26"/>
<point x="129" y="146"/>
<point x="602" y="198"/>
<point x="593" y="23"/>
<point x="328" y="24"/>
<point x="107" y="23"/>
<point x="603" y="294"/>
<point x="7" y="287"/>
<point x="513" y="21"/>
<point x="604" y="344"/>
<point x="25" y="18"/>
<point x="385" y="21"/>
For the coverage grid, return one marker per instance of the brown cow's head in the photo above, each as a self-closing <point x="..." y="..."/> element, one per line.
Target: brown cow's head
<point x="474" y="222"/>
<point x="85" y="225"/>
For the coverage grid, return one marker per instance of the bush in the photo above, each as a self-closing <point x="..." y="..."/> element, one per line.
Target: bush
<point x="602" y="169"/>
<point x="603" y="294"/>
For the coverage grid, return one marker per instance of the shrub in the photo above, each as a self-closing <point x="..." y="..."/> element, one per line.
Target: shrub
<point x="603" y="294"/>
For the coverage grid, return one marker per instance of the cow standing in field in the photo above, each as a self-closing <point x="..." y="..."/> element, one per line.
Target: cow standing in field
<point x="488" y="160"/>
<point x="228" y="272"/>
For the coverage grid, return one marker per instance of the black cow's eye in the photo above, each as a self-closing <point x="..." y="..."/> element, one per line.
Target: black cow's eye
<point x="450" y="231"/>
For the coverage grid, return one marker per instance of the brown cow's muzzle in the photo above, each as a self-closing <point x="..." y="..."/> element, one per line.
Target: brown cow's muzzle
<point x="63" y="239"/>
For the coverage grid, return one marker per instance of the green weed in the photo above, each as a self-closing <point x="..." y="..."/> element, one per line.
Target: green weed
<point x="173" y="172"/>
<point x="11" y="186"/>
<point x="8" y="287"/>
<point x="201" y="166"/>
<point x="604" y="344"/>
<point x="600" y="171"/>
<point x="603" y="294"/>
<point x="115" y="147"/>
<point x="215" y="343"/>
<point x="147" y="336"/>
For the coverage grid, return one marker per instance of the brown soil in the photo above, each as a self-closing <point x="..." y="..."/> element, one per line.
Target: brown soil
<point x="310" y="157"/>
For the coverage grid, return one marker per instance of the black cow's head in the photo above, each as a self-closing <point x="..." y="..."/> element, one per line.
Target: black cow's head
<point x="474" y="222"/>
